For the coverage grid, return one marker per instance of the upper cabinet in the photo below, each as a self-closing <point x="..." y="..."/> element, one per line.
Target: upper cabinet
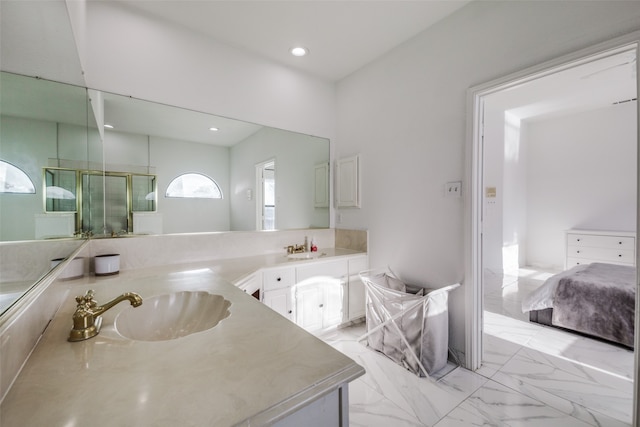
<point x="348" y="182"/>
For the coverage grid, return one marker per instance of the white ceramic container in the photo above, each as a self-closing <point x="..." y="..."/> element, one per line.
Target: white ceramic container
<point x="107" y="264"/>
<point x="73" y="270"/>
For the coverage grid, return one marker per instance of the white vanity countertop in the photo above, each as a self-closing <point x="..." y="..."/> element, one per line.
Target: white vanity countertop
<point x="252" y="368"/>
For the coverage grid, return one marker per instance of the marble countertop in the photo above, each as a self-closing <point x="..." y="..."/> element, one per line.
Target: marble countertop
<point x="251" y="369"/>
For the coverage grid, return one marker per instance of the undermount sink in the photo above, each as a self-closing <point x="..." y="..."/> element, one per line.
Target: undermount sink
<point x="306" y="255"/>
<point x="171" y="316"/>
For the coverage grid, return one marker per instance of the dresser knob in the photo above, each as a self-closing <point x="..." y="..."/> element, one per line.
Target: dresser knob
<point x="279" y="279"/>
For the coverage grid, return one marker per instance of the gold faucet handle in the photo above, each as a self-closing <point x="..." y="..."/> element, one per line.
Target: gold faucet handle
<point x="86" y="300"/>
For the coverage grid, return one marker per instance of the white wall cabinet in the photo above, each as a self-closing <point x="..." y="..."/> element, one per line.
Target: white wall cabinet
<point x="348" y="182"/>
<point x="317" y="295"/>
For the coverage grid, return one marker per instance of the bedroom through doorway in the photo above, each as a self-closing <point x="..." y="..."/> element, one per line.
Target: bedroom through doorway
<point x="556" y="150"/>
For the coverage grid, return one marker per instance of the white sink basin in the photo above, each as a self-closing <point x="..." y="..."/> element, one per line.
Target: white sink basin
<point x="172" y="316"/>
<point x="306" y="255"/>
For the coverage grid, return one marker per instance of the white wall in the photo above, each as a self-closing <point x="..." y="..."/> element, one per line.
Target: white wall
<point x="295" y="156"/>
<point x="405" y="114"/>
<point x="125" y="152"/>
<point x="494" y="165"/>
<point x="37" y="40"/>
<point x="30" y="144"/>
<point x="505" y="169"/>
<point x="582" y="174"/>
<point x="126" y="52"/>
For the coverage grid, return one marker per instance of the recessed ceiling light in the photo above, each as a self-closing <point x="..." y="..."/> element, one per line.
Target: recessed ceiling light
<point x="213" y="129"/>
<point x="299" y="51"/>
<point x="108" y="126"/>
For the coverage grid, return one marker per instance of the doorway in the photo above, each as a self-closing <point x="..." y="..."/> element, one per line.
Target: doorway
<point x="489" y="197"/>
<point x="266" y="195"/>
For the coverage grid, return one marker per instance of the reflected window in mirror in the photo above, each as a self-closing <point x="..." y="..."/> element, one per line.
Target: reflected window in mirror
<point x="194" y="185"/>
<point x="14" y="180"/>
<point x="60" y="189"/>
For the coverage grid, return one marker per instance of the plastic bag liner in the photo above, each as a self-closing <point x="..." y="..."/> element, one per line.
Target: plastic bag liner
<point x="411" y="328"/>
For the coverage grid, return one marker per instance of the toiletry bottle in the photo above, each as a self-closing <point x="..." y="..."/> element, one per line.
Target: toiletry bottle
<point x="314" y="248"/>
<point x="306" y="244"/>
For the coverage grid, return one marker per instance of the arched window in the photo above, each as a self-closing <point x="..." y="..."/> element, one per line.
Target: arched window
<point x="194" y="185"/>
<point x="14" y="180"/>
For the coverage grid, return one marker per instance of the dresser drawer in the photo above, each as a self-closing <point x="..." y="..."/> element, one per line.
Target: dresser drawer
<point x="278" y="278"/>
<point x="572" y="262"/>
<point x="589" y="240"/>
<point x="601" y="254"/>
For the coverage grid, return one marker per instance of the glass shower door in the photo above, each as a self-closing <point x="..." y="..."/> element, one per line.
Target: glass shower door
<point x="105" y="208"/>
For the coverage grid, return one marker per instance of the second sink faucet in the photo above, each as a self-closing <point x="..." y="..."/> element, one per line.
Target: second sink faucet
<point x="296" y="249"/>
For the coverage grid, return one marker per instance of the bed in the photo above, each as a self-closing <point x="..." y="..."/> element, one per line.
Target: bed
<point x="597" y="300"/>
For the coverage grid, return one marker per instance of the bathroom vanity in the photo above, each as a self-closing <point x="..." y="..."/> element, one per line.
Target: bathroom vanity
<point x="254" y="367"/>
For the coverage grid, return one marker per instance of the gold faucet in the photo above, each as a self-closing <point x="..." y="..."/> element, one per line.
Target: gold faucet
<point x="87" y="320"/>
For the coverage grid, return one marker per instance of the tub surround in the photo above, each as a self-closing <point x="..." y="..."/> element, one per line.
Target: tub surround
<point x="253" y="368"/>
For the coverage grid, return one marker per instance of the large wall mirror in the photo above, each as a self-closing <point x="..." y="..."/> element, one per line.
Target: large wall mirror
<point x="101" y="164"/>
<point x="169" y="142"/>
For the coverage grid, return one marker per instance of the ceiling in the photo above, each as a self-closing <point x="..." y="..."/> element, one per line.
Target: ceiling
<point x="598" y="83"/>
<point x="342" y="36"/>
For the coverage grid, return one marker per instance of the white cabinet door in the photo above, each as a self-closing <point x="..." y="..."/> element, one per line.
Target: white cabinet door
<point x="319" y="305"/>
<point x="309" y="307"/>
<point x="348" y="182"/>
<point x="357" y="298"/>
<point x="356" y="293"/>
<point x="279" y="300"/>
<point x="333" y="303"/>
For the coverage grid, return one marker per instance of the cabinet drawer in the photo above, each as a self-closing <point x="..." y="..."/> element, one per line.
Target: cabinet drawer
<point x="278" y="278"/>
<point x="601" y="254"/>
<point x="588" y="240"/>
<point x="337" y="269"/>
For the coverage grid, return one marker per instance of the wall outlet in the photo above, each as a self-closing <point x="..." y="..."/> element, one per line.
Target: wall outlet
<point x="453" y="189"/>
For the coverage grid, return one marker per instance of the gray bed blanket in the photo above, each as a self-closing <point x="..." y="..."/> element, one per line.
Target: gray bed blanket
<point x="599" y="301"/>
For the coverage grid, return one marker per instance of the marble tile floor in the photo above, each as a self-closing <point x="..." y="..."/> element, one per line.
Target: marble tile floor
<point x="531" y="376"/>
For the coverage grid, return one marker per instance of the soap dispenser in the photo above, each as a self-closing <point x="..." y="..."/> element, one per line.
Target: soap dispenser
<point x="306" y="244"/>
<point x="314" y="248"/>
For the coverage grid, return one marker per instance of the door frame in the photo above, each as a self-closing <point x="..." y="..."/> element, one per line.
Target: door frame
<point x="474" y="196"/>
<point x="259" y="192"/>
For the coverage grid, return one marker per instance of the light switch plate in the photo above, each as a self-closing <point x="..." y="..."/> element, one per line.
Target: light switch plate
<point x="453" y="189"/>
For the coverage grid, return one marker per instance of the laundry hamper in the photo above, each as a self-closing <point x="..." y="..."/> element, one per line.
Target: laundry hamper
<point x="408" y="325"/>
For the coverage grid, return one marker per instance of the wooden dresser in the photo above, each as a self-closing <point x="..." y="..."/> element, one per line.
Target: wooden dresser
<point x="587" y="246"/>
